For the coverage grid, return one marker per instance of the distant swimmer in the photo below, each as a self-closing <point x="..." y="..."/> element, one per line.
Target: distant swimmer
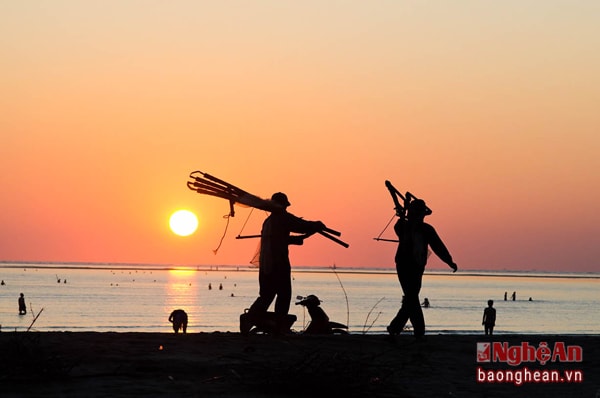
<point x="514" y="296"/>
<point x="425" y="303"/>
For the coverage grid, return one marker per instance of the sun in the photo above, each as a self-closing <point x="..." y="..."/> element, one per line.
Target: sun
<point x="183" y="222"/>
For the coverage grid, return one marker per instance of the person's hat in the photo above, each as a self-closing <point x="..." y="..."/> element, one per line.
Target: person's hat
<point x="418" y="207"/>
<point x="280" y="198"/>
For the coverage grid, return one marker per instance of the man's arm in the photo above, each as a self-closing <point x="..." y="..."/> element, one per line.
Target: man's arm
<point x="438" y="247"/>
<point x="299" y="225"/>
<point x="299" y="239"/>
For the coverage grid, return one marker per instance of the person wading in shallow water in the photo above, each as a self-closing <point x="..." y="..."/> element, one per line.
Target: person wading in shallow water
<point x="274" y="276"/>
<point x="22" y="306"/>
<point x="411" y="257"/>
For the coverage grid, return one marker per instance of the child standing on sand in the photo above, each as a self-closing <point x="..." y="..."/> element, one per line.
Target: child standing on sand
<point x="489" y="318"/>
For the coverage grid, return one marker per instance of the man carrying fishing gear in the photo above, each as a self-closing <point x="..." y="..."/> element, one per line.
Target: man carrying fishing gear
<point x="415" y="237"/>
<point x="274" y="263"/>
<point x="274" y="267"/>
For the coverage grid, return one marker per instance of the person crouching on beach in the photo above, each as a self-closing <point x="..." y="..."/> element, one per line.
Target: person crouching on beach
<point x="179" y="319"/>
<point x="415" y="237"/>
<point x="274" y="275"/>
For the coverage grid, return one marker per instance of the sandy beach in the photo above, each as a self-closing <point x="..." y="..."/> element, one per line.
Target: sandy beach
<point x="90" y="364"/>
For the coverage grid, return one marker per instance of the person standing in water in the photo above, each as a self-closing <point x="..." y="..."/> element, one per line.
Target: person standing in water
<point x="22" y="306"/>
<point x="415" y="236"/>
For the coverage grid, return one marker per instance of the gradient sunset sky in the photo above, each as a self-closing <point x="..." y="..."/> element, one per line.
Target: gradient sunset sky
<point x="487" y="110"/>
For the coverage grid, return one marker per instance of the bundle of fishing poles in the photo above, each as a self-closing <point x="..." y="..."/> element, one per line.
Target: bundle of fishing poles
<point x="206" y="184"/>
<point x="400" y="208"/>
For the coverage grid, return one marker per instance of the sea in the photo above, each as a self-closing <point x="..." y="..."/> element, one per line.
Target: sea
<point x="139" y="298"/>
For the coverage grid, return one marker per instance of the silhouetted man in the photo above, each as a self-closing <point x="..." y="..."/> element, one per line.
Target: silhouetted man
<point x="274" y="275"/>
<point x="411" y="257"/>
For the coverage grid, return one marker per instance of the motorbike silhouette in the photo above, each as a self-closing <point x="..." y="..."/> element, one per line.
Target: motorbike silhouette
<point x="271" y="323"/>
<point x="319" y="321"/>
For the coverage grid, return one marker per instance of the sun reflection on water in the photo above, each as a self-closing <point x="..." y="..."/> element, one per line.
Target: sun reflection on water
<point x="181" y="292"/>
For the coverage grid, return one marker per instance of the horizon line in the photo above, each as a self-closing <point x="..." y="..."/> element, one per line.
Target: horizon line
<point x="299" y="268"/>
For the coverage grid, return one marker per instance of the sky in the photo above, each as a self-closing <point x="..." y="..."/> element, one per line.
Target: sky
<point x="486" y="110"/>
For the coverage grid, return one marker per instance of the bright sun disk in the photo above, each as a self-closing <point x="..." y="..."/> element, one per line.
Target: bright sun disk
<point x="183" y="222"/>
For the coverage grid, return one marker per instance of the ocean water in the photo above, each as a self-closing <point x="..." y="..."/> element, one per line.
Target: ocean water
<point x="115" y="298"/>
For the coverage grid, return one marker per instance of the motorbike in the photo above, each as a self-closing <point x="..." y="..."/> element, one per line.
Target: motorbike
<point x="270" y="323"/>
<point x="319" y="321"/>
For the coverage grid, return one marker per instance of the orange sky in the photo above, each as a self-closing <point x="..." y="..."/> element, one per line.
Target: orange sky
<point x="488" y="111"/>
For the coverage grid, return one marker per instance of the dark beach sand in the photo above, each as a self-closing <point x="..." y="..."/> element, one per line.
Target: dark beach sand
<point x="87" y="364"/>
